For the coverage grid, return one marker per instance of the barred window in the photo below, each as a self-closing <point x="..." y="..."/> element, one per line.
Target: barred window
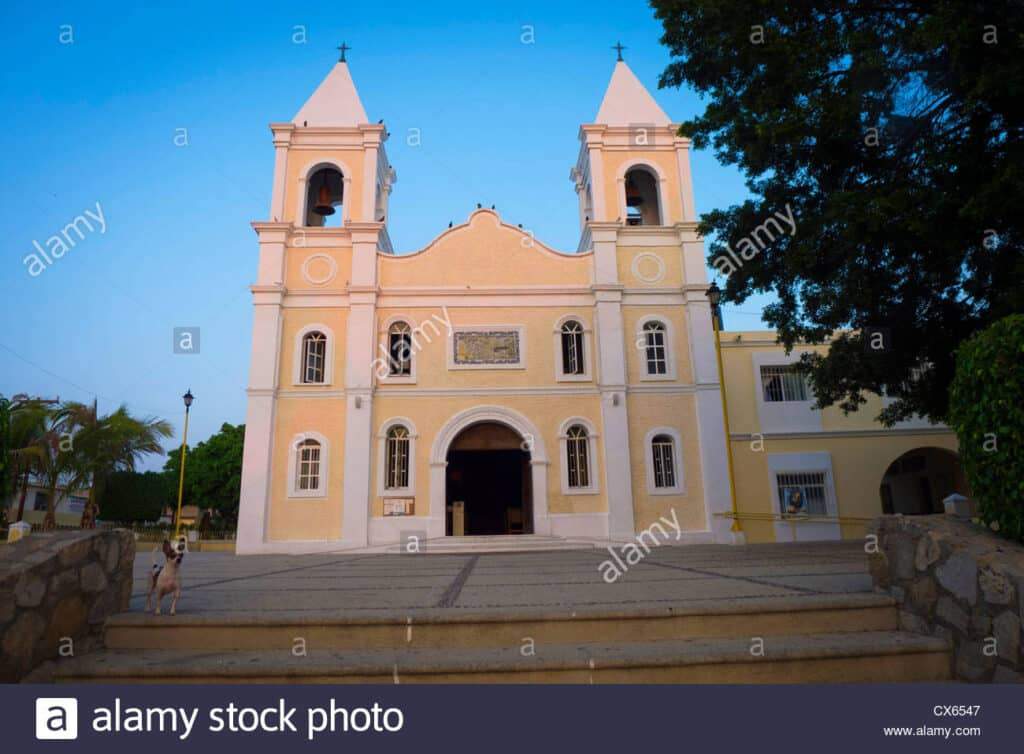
<point x="314" y="357"/>
<point x="307" y="475"/>
<point x="396" y="475"/>
<point x="803" y="492"/>
<point x="572" y="348"/>
<point x="400" y="350"/>
<point x="655" y="348"/>
<point x="664" y="462"/>
<point x="577" y="453"/>
<point x="783" y="383"/>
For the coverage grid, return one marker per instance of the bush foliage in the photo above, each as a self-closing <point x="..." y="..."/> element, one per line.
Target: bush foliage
<point x="987" y="412"/>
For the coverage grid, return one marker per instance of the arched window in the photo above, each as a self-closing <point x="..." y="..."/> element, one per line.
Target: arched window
<point x="577" y="451"/>
<point x="663" y="462"/>
<point x="396" y="472"/>
<point x="642" y="206"/>
<point x="314" y="357"/>
<point x="400" y="350"/>
<point x="325" y="190"/>
<point x="572" y="348"/>
<point x="307" y="471"/>
<point x="655" y="349"/>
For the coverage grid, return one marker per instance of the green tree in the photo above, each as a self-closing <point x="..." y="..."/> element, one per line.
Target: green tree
<point x="110" y="443"/>
<point x="213" y="471"/>
<point x="893" y="134"/>
<point x="26" y="427"/>
<point x="137" y="496"/>
<point x="987" y="411"/>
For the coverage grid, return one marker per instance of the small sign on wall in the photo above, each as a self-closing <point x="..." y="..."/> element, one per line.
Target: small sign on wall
<point x="398" y="506"/>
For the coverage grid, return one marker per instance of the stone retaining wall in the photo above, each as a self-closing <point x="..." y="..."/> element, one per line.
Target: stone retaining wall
<point x="56" y="590"/>
<point x="957" y="580"/>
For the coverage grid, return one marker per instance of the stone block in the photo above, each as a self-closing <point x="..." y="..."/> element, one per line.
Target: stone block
<point x="972" y="664"/>
<point x="922" y="594"/>
<point x="878" y="565"/>
<point x="113" y="555"/>
<point x="995" y="587"/>
<point x="30" y="590"/>
<point x="18" y="644"/>
<point x="1004" y="675"/>
<point x="63" y="582"/>
<point x="981" y="623"/>
<point x="68" y="620"/>
<point x="76" y="551"/>
<point x="1006" y="629"/>
<point x="927" y="552"/>
<point x="959" y="576"/>
<point x="947" y="610"/>
<point x="901" y="556"/>
<point x="94" y="579"/>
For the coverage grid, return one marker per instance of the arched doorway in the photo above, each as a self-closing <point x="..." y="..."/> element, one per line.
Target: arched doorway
<point x="488" y="482"/>
<point x="916" y="483"/>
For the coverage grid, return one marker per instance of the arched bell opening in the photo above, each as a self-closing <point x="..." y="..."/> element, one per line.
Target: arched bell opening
<point x="642" y="206"/>
<point x="325" y="194"/>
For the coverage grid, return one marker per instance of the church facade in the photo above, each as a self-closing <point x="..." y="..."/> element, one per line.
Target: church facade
<point x="490" y="385"/>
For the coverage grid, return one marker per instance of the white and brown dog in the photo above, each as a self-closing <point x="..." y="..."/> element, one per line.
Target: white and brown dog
<point x="166" y="579"/>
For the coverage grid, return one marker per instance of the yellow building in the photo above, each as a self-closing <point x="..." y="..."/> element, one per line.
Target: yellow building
<point x="488" y="384"/>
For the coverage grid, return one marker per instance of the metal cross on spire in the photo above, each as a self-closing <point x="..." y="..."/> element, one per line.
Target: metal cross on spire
<point x="618" y="47"/>
<point x="344" y="48"/>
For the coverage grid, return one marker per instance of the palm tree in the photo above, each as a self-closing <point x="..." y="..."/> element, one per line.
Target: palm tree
<point x="26" y="427"/>
<point x="57" y="463"/>
<point x="105" y="444"/>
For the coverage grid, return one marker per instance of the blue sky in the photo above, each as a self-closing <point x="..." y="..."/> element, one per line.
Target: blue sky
<point x="94" y="121"/>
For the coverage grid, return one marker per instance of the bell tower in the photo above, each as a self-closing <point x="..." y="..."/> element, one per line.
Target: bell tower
<point x="329" y="198"/>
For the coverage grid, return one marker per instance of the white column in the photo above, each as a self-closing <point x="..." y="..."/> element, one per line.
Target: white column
<point x="282" y="140"/>
<point x="611" y="338"/>
<point x="257" y="455"/>
<point x="359" y="355"/>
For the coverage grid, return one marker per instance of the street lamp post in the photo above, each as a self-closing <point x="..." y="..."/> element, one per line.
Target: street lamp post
<point x="187" y="398"/>
<point x="714" y="294"/>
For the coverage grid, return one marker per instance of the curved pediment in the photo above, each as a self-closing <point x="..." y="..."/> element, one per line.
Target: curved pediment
<point x="484" y="251"/>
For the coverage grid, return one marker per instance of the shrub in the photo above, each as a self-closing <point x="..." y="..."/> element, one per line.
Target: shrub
<point x="987" y="412"/>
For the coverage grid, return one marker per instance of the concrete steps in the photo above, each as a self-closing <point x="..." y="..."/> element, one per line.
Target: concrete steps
<point x="814" y="638"/>
<point x="870" y="656"/>
<point x="498" y="543"/>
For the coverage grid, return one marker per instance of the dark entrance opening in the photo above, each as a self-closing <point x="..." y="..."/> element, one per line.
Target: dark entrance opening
<point x="918" y="481"/>
<point x="487" y="485"/>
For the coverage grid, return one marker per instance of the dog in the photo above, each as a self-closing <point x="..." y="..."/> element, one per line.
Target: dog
<point x="166" y="579"/>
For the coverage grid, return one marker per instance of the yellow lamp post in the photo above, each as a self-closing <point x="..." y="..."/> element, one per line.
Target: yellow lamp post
<point x="184" y="449"/>
<point x="714" y="294"/>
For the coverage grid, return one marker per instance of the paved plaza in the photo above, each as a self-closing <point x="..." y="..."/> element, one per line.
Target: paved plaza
<point x="308" y="586"/>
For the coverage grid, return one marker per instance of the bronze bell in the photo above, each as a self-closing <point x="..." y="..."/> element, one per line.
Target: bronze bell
<point x="633" y="197"/>
<point x="323" y="202"/>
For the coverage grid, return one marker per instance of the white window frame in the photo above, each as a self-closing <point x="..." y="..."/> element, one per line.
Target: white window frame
<point x="641" y="342"/>
<point x="593" y="488"/>
<point x="384" y="349"/>
<point x="299" y="368"/>
<point x="679" y="488"/>
<point x="782" y="416"/>
<point x="793" y="527"/>
<point x="382" y="458"/>
<point x="293" y="464"/>
<point x="560" y="375"/>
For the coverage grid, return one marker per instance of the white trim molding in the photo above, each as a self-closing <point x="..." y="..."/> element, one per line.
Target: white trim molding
<point x="679" y="488"/>
<point x="293" y="462"/>
<point x="588" y="347"/>
<point x="382" y="458"/>
<point x="592" y="487"/>
<point x="670" y="354"/>
<point x="298" y="367"/>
